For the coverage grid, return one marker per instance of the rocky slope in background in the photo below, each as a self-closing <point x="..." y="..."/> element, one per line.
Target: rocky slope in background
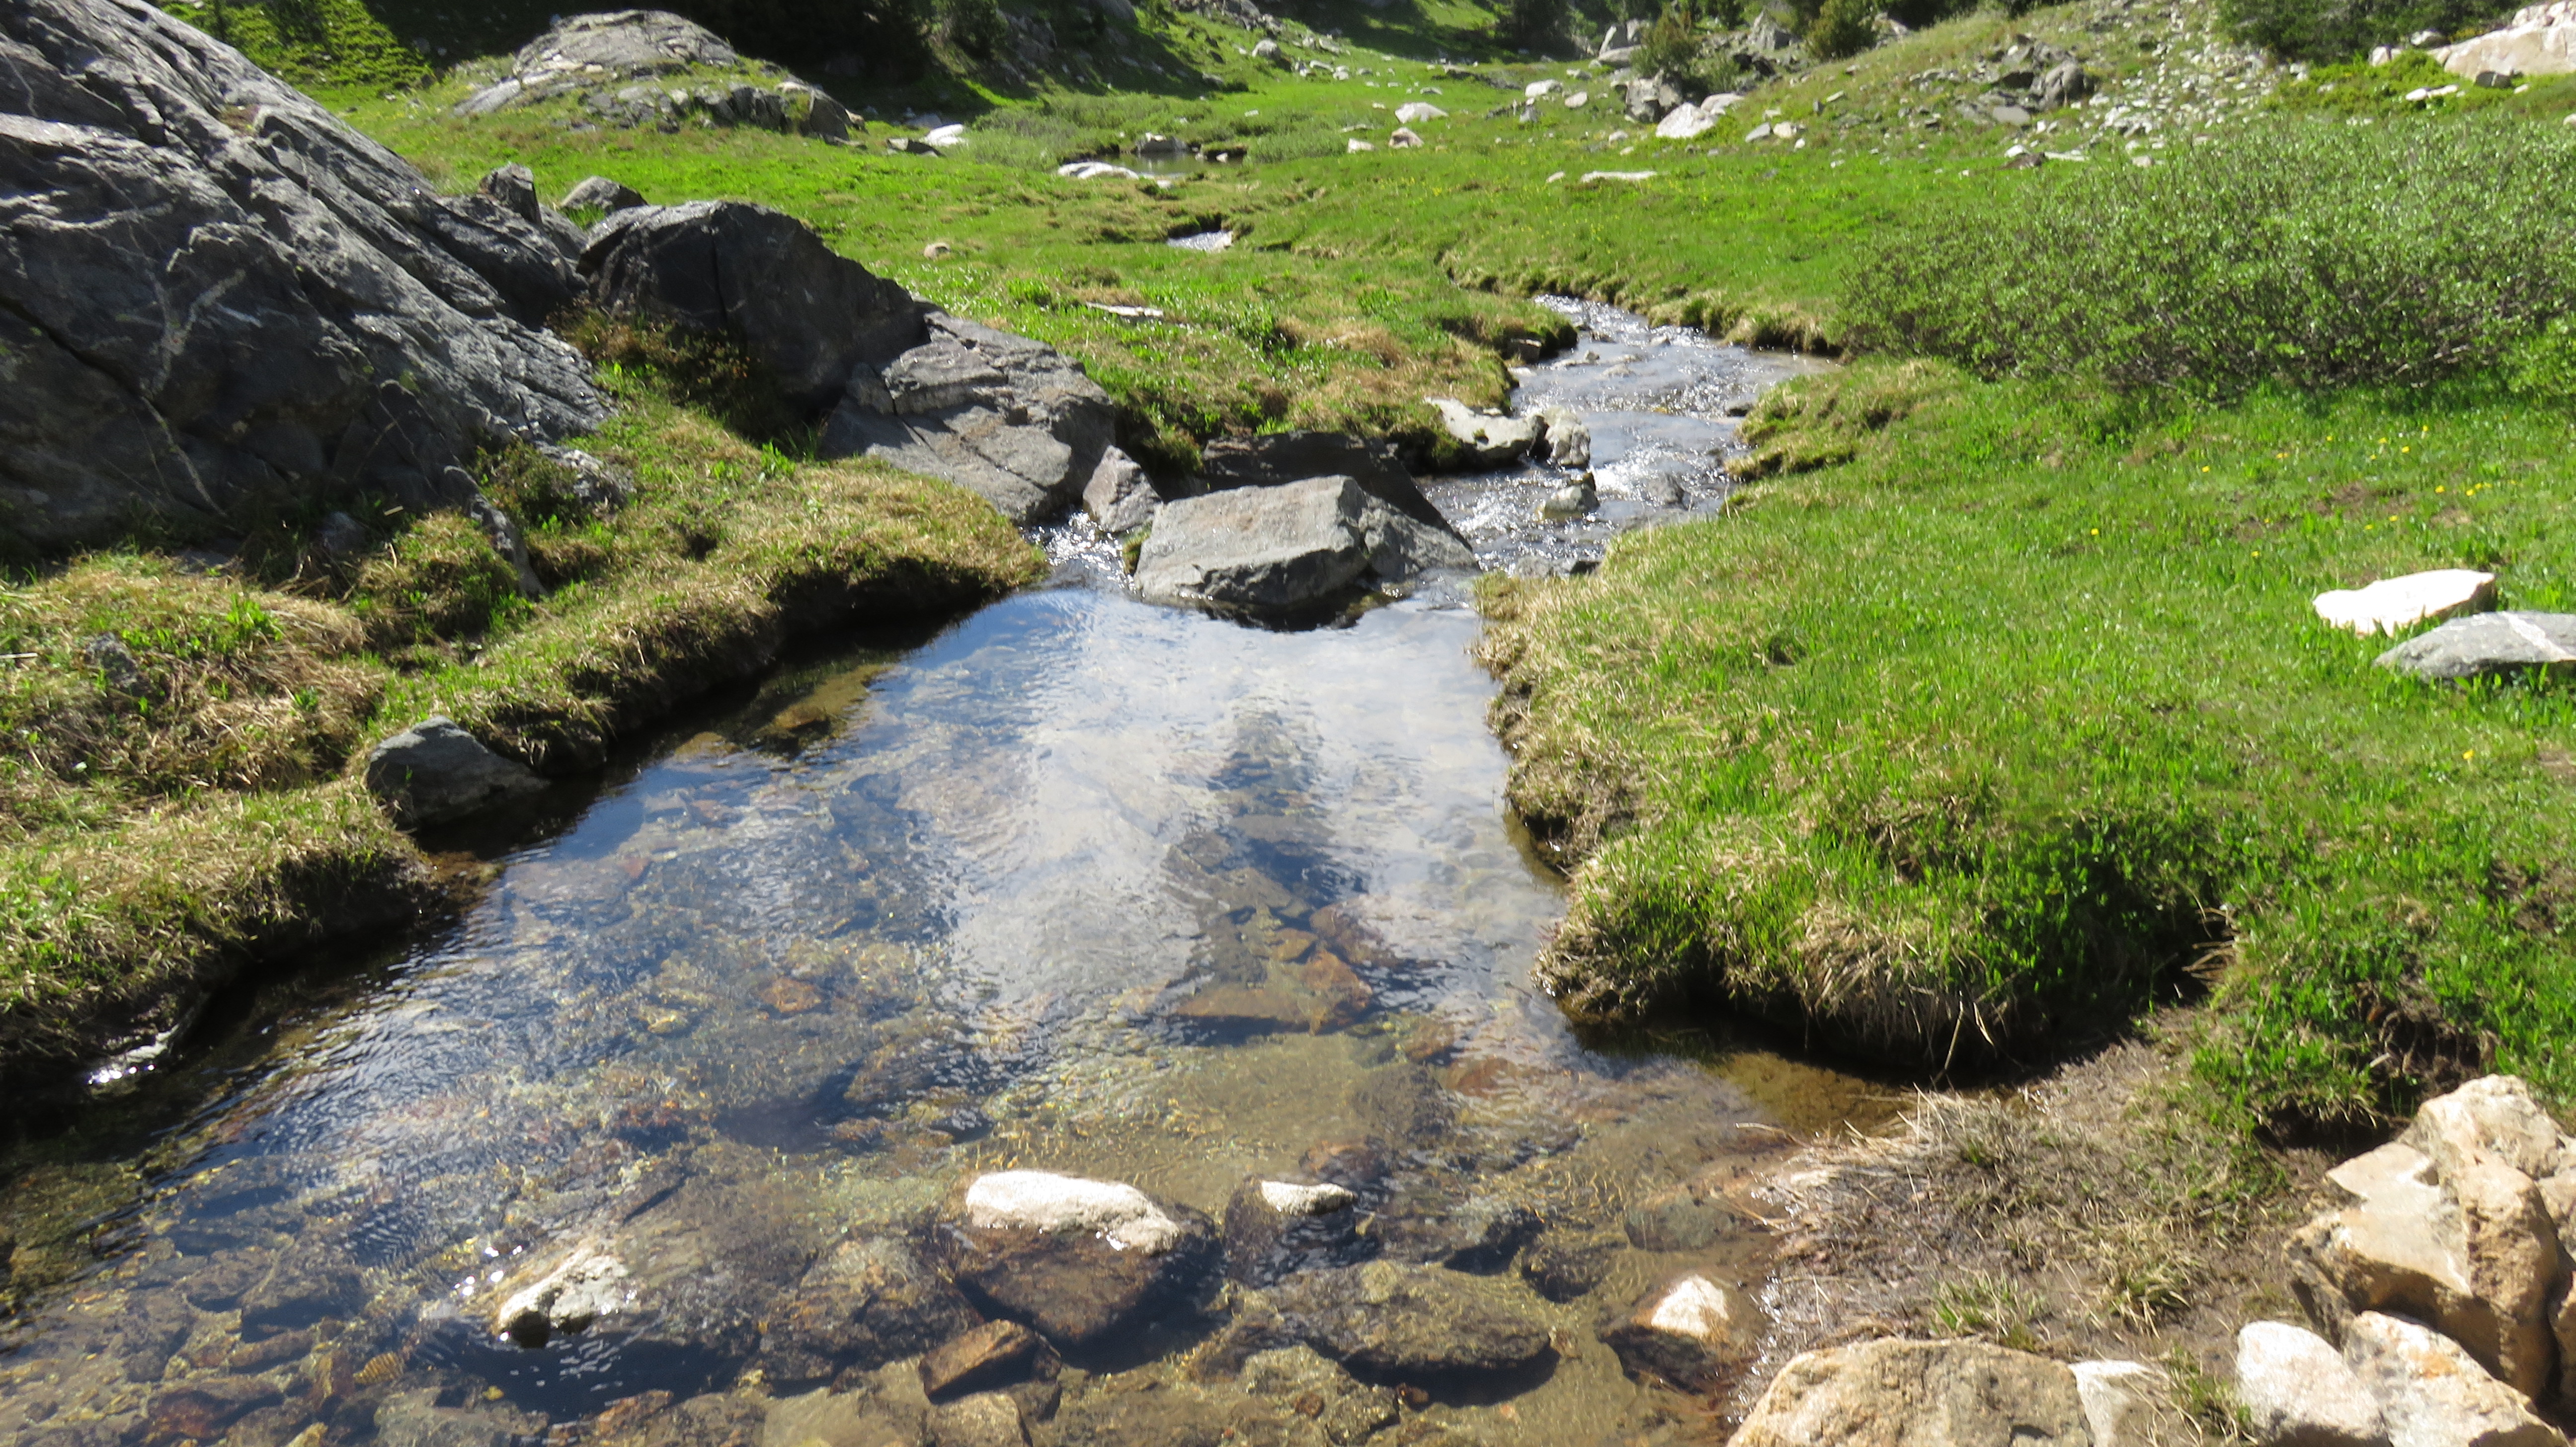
<point x="216" y="297"/>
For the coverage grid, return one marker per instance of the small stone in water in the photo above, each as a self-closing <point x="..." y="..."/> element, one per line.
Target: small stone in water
<point x="1572" y="500"/>
<point x="789" y="996"/>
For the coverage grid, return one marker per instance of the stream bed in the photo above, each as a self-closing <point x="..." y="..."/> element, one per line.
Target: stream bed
<point x="1075" y="884"/>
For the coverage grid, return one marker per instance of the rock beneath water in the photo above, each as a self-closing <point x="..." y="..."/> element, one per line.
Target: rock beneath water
<point x="1119" y="496"/>
<point x="1275" y="459"/>
<point x="1274" y="1229"/>
<point x="1690" y="1331"/>
<point x="987" y="1419"/>
<point x="1692" y="1216"/>
<point x="806" y="314"/>
<point x="1481" y="1234"/>
<point x="2433" y="1394"/>
<point x="987" y="1358"/>
<point x="1898" y="1393"/>
<point x="150" y="168"/>
<point x="1564" y="1268"/>
<point x="2393" y="605"/>
<point x="1413" y="1321"/>
<point x="1490" y="440"/>
<point x="1345" y="1409"/>
<point x="588" y="1285"/>
<point x="1278" y="549"/>
<point x="1006" y="417"/>
<point x="2488" y="644"/>
<point x="1078" y="1259"/>
<point x="2298" y="1391"/>
<point x="435" y="771"/>
<point x="1569" y="439"/>
<point x="312" y="1282"/>
<point x="2472" y="1249"/>
<point x="598" y="193"/>
<point x="866" y="1303"/>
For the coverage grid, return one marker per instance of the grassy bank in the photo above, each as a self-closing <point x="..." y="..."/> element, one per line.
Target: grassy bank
<point x="178" y="796"/>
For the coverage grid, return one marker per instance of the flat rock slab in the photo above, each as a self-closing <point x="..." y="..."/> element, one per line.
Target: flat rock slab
<point x="2393" y="605"/>
<point x="1414" y="1321"/>
<point x="1081" y="1260"/>
<point x="2488" y="645"/>
<point x="1281" y="549"/>
<point x="1899" y="1393"/>
<point x="1275" y="459"/>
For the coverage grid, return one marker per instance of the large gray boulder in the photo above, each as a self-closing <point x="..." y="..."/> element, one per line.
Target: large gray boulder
<point x="214" y="293"/>
<point x="1280" y="549"/>
<point x="589" y="50"/>
<point x="435" y="771"/>
<point x="804" y="312"/>
<point x="1896" y="1393"/>
<point x="1274" y="459"/>
<point x="2488" y="644"/>
<point x="1012" y="419"/>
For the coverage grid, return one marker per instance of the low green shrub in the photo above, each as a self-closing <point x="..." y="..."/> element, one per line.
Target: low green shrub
<point x="2304" y="254"/>
<point x="1842" y="28"/>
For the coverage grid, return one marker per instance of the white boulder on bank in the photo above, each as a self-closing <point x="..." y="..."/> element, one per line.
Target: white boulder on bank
<point x="2433" y="1394"/>
<point x="2299" y="1392"/>
<point x="2541" y="40"/>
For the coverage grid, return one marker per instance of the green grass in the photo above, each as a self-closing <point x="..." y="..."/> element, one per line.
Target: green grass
<point x="1967" y="749"/>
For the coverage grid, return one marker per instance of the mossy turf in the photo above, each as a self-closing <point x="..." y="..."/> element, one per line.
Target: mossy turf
<point x="177" y="793"/>
<point x="2011" y="719"/>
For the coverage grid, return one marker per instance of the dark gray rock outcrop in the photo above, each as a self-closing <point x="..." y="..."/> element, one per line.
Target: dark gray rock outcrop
<point x="435" y="771"/>
<point x="212" y="291"/>
<point x="1277" y="458"/>
<point x="889" y="377"/>
<point x="1280" y="549"/>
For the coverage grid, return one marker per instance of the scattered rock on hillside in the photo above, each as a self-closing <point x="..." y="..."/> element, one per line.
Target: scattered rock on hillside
<point x="2063" y="85"/>
<point x="1279" y="549"/>
<point x="1274" y="459"/>
<point x="1078" y="1259"/>
<point x="1012" y="419"/>
<point x="2540" y="40"/>
<point x="2487" y="645"/>
<point x="2392" y="605"/>
<point x="1954" y="1393"/>
<point x="150" y="168"/>
<point x="1415" y="112"/>
<point x="435" y="771"/>
<point x="1649" y="99"/>
<point x="1394" y="1320"/>
<point x="2299" y="1392"/>
<point x="2433" y="1394"/>
<point x="601" y="194"/>
<point x="1689" y="1331"/>
<point x="866" y="1303"/>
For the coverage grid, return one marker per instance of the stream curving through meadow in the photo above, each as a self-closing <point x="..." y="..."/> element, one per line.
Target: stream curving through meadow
<point x="1077" y="883"/>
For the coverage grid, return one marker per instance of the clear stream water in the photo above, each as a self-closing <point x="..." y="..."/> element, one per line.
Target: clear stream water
<point x="1076" y="883"/>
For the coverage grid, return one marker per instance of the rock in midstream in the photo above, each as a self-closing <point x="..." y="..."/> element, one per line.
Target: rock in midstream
<point x="1274" y="1229"/>
<point x="866" y="1303"/>
<point x="1689" y="1331"/>
<point x="150" y="167"/>
<point x="1281" y="549"/>
<point x="1078" y="1259"/>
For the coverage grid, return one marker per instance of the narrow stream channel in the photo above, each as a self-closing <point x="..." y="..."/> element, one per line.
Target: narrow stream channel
<point x="1076" y="884"/>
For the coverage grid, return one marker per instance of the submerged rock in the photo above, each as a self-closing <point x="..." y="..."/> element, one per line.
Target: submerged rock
<point x="1480" y="1234"/>
<point x="989" y="1357"/>
<point x="151" y="168"/>
<point x="1276" y="1228"/>
<point x="1342" y="1407"/>
<point x="1564" y="1268"/>
<point x="1283" y="548"/>
<point x="435" y="771"/>
<point x="1689" y="1331"/>
<point x="1918" y="1394"/>
<point x="866" y="1303"/>
<point x="1414" y="1321"/>
<point x="1078" y="1259"/>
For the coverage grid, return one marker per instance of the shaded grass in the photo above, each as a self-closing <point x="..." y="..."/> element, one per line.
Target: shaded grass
<point x="1966" y="749"/>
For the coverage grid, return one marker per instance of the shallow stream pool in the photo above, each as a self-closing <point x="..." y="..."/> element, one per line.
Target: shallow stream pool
<point x="1076" y="884"/>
